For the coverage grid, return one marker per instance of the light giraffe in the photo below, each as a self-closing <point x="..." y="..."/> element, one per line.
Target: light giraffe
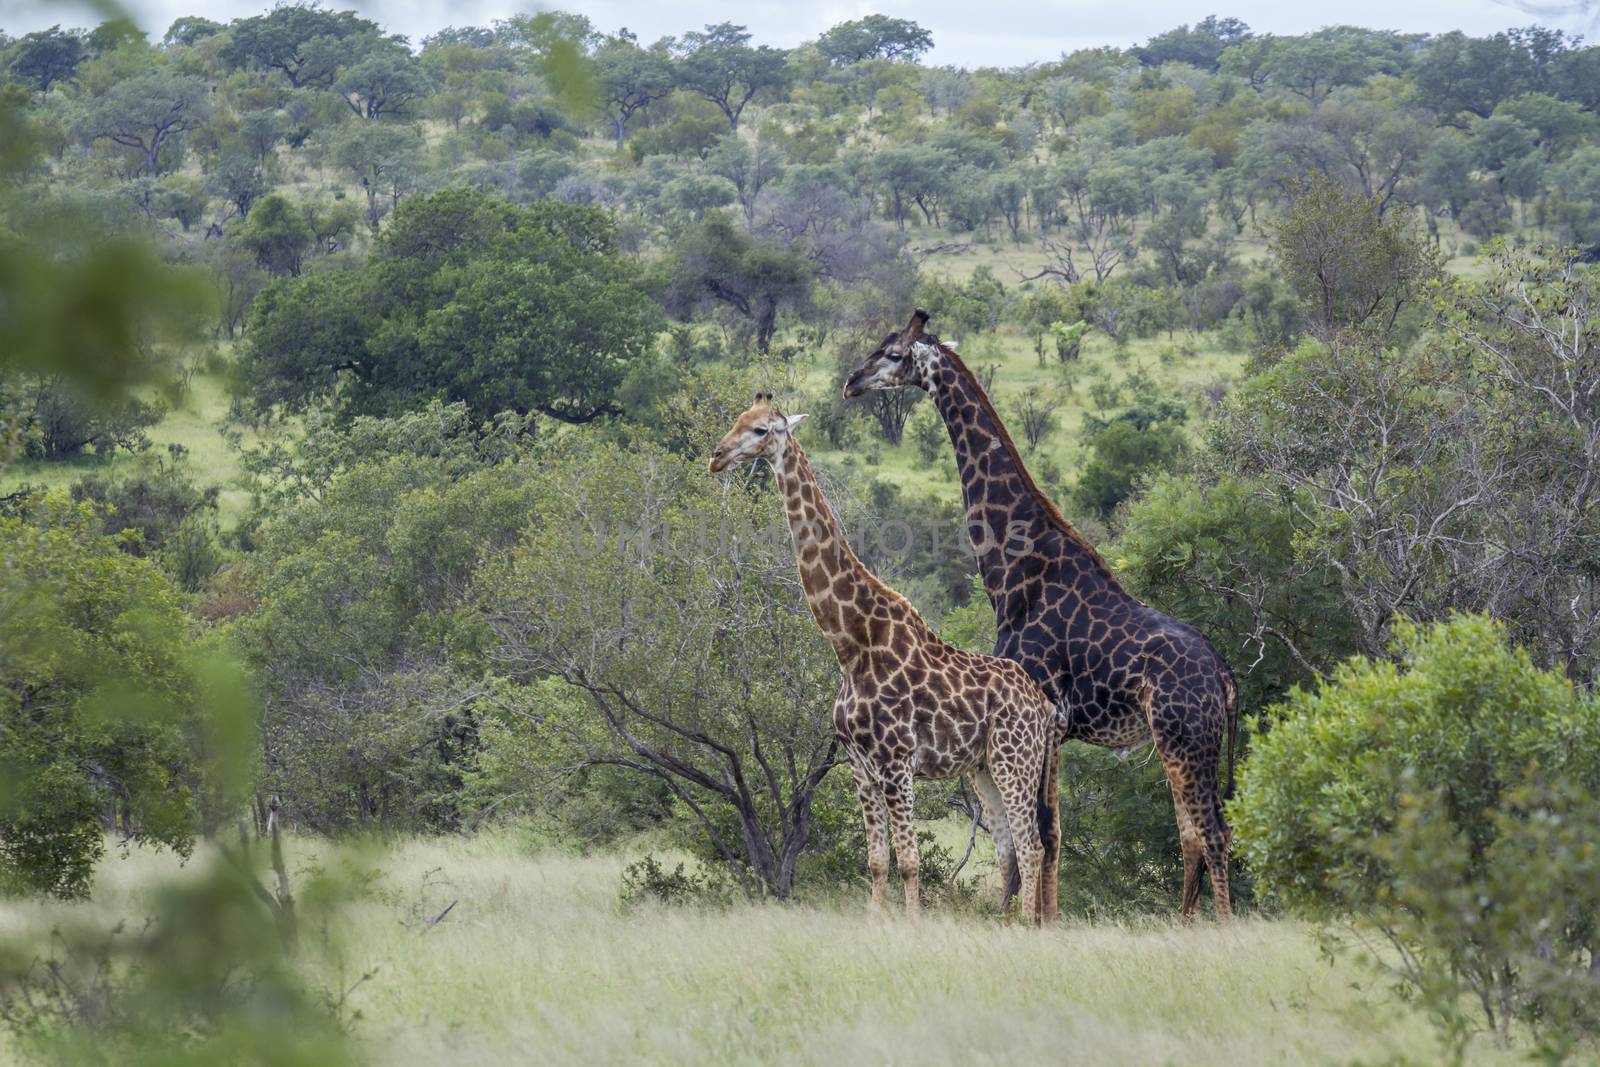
<point x="910" y="705"/>
<point x="1120" y="672"/>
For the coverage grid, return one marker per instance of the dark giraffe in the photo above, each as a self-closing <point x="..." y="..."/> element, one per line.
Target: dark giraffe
<point x="911" y="705"/>
<point x="1119" y="672"/>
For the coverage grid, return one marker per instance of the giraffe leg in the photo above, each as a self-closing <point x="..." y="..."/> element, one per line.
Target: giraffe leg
<point x="874" y="816"/>
<point x="1180" y="781"/>
<point x="1189" y="842"/>
<point x="902" y="821"/>
<point x="1019" y="785"/>
<point x="1050" y="873"/>
<point x="1211" y="828"/>
<point x="994" y="808"/>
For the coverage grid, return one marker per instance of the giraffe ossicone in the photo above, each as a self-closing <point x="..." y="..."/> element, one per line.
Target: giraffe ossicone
<point x="911" y="705"/>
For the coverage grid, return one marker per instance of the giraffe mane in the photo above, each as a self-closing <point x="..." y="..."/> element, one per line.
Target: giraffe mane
<point x="1052" y="513"/>
<point x="872" y="579"/>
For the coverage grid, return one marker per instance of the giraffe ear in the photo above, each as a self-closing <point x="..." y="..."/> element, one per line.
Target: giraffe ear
<point x="791" y="421"/>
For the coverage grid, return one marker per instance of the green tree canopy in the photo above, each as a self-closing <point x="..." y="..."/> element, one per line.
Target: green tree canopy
<point x="302" y="41"/>
<point x="45" y="57"/>
<point x="874" y="37"/>
<point x="102" y="707"/>
<point x="465" y="298"/>
<point x="721" y="66"/>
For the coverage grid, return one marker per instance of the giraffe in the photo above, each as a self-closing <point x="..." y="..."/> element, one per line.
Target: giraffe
<point x="910" y="705"/>
<point x="1119" y="672"/>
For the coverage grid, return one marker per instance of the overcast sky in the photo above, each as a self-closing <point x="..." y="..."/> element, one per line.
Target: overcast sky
<point x="965" y="32"/>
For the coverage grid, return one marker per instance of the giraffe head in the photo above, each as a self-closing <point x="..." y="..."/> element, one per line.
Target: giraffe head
<point x="761" y="431"/>
<point x="906" y="357"/>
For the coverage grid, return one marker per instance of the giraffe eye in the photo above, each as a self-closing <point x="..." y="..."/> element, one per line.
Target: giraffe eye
<point x="761" y="431"/>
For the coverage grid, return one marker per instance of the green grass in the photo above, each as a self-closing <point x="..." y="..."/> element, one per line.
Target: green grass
<point x="539" y="963"/>
<point x="195" y="422"/>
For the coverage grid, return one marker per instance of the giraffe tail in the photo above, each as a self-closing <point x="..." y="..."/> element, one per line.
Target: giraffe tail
<point x="1231" y="691"/>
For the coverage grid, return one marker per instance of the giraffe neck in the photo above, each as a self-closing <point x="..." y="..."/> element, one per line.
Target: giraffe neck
<point x="1007" y="515"/>
<point x="840" y="591"/>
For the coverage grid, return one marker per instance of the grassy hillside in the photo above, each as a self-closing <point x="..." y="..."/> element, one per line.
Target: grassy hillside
<point x="195" y="422"/>
<point x="539" y="963"/>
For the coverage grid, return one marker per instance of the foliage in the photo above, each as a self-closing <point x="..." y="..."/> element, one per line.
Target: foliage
<point x="716" y="264"/>
<point x="154" y="499"/>
<point x="1351" y="267"/>
<point x="721" y="66"/>
<point x="207" y="977"/>
<point x="57" y="419"/>
<point x="1452" y="476"/>
<point x="374" y="534"/>
<point x="696" y="665"/>
<point x="1124" y="453"/>
<point x="647" y="879"/>
<point x="466" y="298"/>
<point x="303" y="42"/>
<point x="1421" y="794"/>
<point x="874" y="37"/>
<point x="149" y="115"/>
<point x="1222" y="555"/>
<point x="46" y="57"/>
<point x="105" y="710"/>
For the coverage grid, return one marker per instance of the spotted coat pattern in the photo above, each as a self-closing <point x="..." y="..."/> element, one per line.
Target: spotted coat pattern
<point x="1119" y="672"/>
<point x="911" y="705"/>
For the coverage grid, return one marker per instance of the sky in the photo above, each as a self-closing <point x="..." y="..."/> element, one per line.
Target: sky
<point x="965" y="32"/>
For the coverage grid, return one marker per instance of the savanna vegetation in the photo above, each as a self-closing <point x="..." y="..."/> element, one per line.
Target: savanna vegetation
<point x="384" y="678"/>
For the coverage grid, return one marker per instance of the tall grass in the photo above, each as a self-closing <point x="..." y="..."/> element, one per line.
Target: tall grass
<point x="538" y="962"/>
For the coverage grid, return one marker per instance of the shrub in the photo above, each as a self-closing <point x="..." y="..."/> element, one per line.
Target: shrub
<point x="1437" y="798"/>
<point x="648" y="879"/>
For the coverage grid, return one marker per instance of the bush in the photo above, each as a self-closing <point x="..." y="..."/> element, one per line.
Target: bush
<point x="156" y="499"/>
<point x="648" y="879"/>
<point x="1123" y="454"/>
<point x="60" y="421"/>
<point x="1437" y="798"/>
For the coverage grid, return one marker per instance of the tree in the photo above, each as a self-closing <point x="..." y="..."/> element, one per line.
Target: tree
<point x="1313" y="65"/>
<point x="689" y="660"/>
<point x="716" y="264"/>
<point x="1454" y="475"/>
<point x="557" y="337"/>
<point x="239" y="181"/>
<point x="188" y="30"/>
<point x="912" y="174"/>
<point x="750" y="167"/>
<point x="1459" y="74"/>
<point x="382" y="158"/>
<point x="1125" y="453"/>
<point x="465" y="298"/>
<point x="148" y="114"/>
<point x="631" y="79"/>
<point x="90" y="630"/>
<point x="302" y="41"/>
<point x="1200" y="47"/>
<point x="371" y="534"/>
<point x="45" y="57"/>
<point x="1035" y="411"/>
<point x="386" y="82"/>
<point x="1220" y="552"/>
<point x="1352" y="268"/>
<point x="59" y="420"/>
<point x="278" y="234"/>
<point x="874" y="37"/>
<point x="720" y="65"/>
